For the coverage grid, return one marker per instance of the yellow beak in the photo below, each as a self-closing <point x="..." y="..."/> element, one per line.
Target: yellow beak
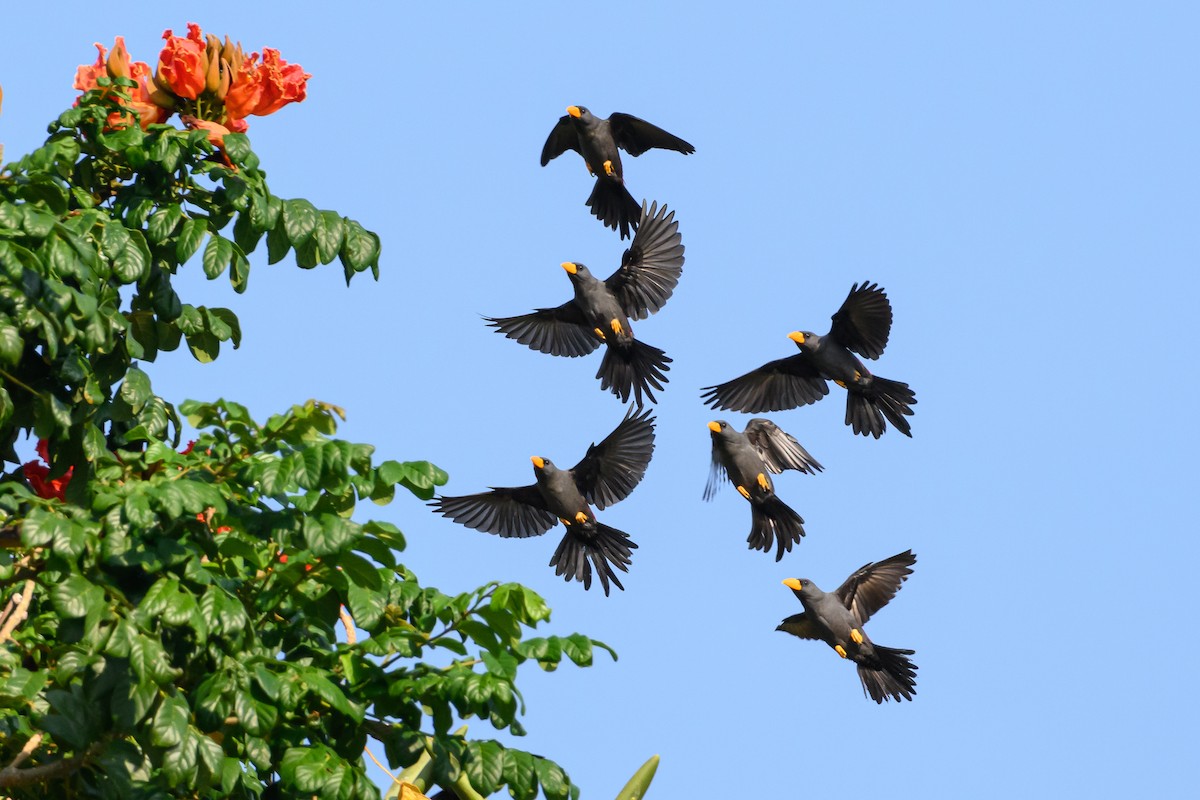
<point x="570" y="267"/>
<point x="538" y="461"/>
<point x="792" y="583"/>
<point x="573" y="111"/>
<point x="715" y="427"/>
<point x="797" y="337"/>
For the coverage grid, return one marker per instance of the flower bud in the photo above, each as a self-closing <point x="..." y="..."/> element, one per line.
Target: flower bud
<point x="212" y="73"/>
<point x="118" y="60"/>
<point x="226" y="78"/>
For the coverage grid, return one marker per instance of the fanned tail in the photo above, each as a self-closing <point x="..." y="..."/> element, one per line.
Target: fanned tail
<point x="613" y="205"/>
<point x="773" y="521"/>
<point x="633" y="368"/>
<point x="604" y="548"/>
<point x="890" y="675"/>
<point x="867" y="407"/>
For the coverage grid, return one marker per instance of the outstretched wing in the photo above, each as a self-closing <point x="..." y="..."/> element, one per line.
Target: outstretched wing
<point x="779" y="450"/>
<point x="560" y="331"/>
<point x="872" y="586"/>
<point x="800" y="625"/>
<point x="651" y="267"/>
<point x="610" y="470"/>
<point x="775" y="386"/>
<point x="864" y="321"/>
<point x="635" y="136"/>
<point x="561" y="139"/>
<point x="517" y="512"/>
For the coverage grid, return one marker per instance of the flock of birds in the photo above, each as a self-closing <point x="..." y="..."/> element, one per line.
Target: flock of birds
<point x="599" y="314"/>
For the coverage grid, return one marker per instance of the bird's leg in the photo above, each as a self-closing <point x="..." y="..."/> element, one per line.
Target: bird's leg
<point x="841" y="651"/>
<point x="581" y="517"/>
<point x="742" y="491"/>
<point x="617" y="327"/>
<point x="599" y="333"/>
<point x="565" y="521"/>
<point x="608" y="168"/>
<point x="591" y="171"/>
<point x="856" y="636"/>
<point x="762" y="481"/>
<point x="840" y="383"/>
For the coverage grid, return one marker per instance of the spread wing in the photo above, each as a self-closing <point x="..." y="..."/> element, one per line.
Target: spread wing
<point x="610" y="470"/>
<point x="561" y="139"/>
<point x="560" y="331"/>
<point x="873" y="585"/>
<point x="517" y="512"/>
<point x="800" y="625"/>
<point x="775" y="386"/>
<point x="651" y="266"/>
<point x="779" y="449"/>
<point x="864" y="321"/>
<point x="635" y="136"/>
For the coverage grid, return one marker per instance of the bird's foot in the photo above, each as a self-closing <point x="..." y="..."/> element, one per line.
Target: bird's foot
<point x="856" y="636"/>
<point x="742" y="491"/>
<point x="617" y="328"/>
<point x="841" y="651"/>
<point x="608" y="169"/>
<point x="581" y="517"/>
<point x="840" y="383"/>
<point x="565" y="521"/>
<point x="599" y="334"/>
<point x="762" y="481"/>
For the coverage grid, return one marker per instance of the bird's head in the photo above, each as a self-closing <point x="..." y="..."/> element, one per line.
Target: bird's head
<point x="805" y="340"/>
<point x="578" y="112"/>
<point x="804" y="588"/>
<point x="720" y="428"/>
<point x="541" y="465"/>
<point x="576" y="271"/>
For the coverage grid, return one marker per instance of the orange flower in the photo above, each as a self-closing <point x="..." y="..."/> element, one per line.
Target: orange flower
<point x="216" y="131"/>
<point x="117" y="65"/>
<point x="38" y="475"/>
<point x="262" y="89"/>
<point x="183" y="63"/>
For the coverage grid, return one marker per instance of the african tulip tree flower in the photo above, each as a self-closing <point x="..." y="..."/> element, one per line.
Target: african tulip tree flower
<point x="38" y="475"/>
<point x="183" y="63"/>
<point x="262" y="89"/>
<point x="118" y="65"/>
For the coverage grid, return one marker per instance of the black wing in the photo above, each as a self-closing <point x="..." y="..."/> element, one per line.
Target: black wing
<point x="716" y="473"/>
<point x="561" y="139"/>
<point x="560" y="331"/>
<point x="610" y="470"/>
<point x="635" y="136"/>
<point x="800" y="625"/>
<point x="651" y="267"/>
<point x="775" y="386"/>
<point x="864" y="321"/>
<point x="517" y="512"/>
<point x="779" y="449"/>
<point x="873" y="585"/>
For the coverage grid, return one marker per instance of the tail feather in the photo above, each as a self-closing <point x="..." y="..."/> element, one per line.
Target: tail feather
<point x="602" y="549"/>
<point x="867" y="408"/>
<point x="633" y="369"/>
<point x="889" y="675"/>
<point x="772" y="520"/>
<point x="613" y="205"/>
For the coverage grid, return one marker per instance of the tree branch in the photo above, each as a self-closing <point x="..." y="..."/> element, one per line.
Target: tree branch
<point x="16" y="611"/>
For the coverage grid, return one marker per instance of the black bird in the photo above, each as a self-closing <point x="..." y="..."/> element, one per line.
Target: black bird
<point x="606" y="475"/>
<point x="861" y="325"/>
<point x="598" y="140"/>
<point x="837" y="619"/>
<point x="601" y="311"/>
<point x="744" y="459"/>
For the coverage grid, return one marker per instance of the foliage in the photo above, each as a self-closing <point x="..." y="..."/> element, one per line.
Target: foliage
<point x="170" y="624"/>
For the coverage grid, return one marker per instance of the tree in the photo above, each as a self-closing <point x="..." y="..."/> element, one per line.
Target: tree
<point x="170" y="613"/>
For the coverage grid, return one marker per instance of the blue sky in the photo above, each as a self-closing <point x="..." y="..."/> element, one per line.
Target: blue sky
<point x="1024" y="182"/>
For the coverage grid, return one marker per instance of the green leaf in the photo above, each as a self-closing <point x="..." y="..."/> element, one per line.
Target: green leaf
<point x="519" y="774"/>
<point x="329" y="533"/>
<point x="217" y="255"/>
<point x="163" y="223"/>
<point x="360" y="248"/>
<point x="74" y="596"/>
<point x="135" y="390"/>
<point x="484" y="766"/>
<point x="190" y="237"/>
<point x="179" y="763"/>
<point x="300" y="219"/>
<point x="237" y="147"/>
<point x="329" y="234"/>
<point x="555" y="783"/>
<point x="12" y="345"/>
<point x="170" y="723"/>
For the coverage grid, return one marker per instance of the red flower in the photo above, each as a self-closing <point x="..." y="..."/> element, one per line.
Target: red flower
<point x="38" y="475"/>
<point x="117" y="65"/>
<point x="262" y="89"/>
<point x="183" y="63"/>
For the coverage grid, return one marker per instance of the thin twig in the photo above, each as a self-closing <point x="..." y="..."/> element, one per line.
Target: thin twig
<point x="348" y="622"/>
<point x="17" y="615"/>
<point x="26" y="751"/>
<point x="371" y="756"/>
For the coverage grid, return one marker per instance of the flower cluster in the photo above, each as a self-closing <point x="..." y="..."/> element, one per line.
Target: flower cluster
<point x="38" y="475"/>
<point x="212" y="85"/>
